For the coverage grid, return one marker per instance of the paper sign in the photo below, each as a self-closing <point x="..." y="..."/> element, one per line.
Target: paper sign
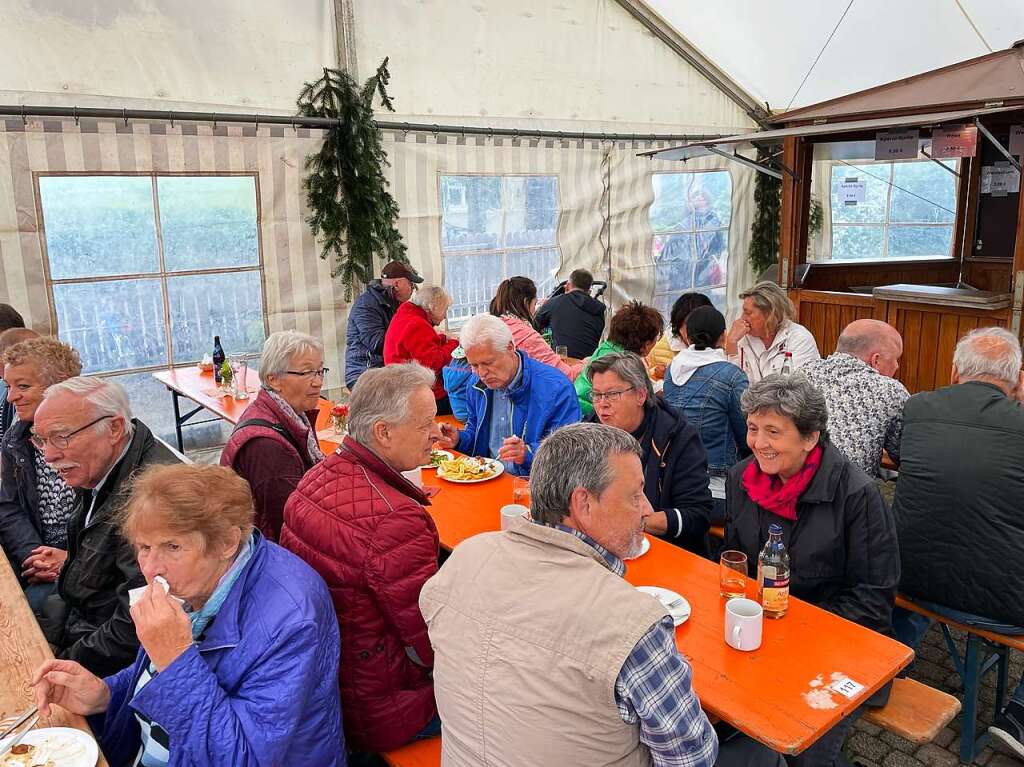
<point x="954" y="142"/>
<point x="897" y="145"/>
<point x="852" y="190"/>
<point x="1017" y="140"/>
<point x="1000" y="179"/>
<point x="847" y="687"/>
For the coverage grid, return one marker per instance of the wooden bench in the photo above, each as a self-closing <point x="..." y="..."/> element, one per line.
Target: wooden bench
<point x="984" y="651"/>
<point x="915" y="711"/>
<point x="421" y="753"/>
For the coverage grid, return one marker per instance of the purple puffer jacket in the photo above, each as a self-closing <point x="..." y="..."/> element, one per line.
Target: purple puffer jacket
<point x="261" y="687"/>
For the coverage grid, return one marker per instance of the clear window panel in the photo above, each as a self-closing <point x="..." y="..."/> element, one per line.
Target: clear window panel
<point x="208" y="222"/>
<point x="923" y="193"/>
<point x="920" y="241"/>
<point x="471" y="281"/>
<point x="114" y="325"/>
<point x="98" y="226"/>
<point x="710" y="200"/>
<point x="205" y="305"/>
<point x="858" y="242"/>
<point x="674" y="261"/>
<point x="531" y="211"/>
<point x="471" y="213"/>
<point x="876" y="193"/>
<point x="539" y="265"/>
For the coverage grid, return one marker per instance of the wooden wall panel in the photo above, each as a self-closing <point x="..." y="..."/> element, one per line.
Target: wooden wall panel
<point x="826" y="314"/>
<point x="930" y="334"/>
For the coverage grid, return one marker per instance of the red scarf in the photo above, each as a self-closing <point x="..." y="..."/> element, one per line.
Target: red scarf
<point x="771" y="493"/>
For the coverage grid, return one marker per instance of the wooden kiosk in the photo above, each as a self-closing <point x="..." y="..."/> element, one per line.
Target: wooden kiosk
<point x="972" y="112"/>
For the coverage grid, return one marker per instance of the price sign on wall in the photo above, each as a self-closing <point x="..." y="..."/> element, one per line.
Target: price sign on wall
<point x="852" y="190"/>
<point x="1017" y="140"/>
<point x="954" y="142"/>
<point x="897" y="145"/>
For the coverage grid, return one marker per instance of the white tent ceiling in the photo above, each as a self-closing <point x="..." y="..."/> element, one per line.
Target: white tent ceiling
<point x="769" y="47"/>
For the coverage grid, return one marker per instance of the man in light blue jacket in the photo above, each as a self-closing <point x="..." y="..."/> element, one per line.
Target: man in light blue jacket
<point x="513" y="400"/>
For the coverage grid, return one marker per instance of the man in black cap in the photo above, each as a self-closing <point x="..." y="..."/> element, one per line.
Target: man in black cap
<point x="575" y="317"/>
<point x="370" y="315"/>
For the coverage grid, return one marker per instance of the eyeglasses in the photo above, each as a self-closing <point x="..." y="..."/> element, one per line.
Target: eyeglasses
<point x="309" y="373"/>
<point x="610" y="396"/>
<point x="61" y="441"/>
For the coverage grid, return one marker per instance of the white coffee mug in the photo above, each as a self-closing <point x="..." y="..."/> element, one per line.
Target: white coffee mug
<point x="511" y="512"/>
<point x="415" y="476"/>
<point x="743" y="619"/>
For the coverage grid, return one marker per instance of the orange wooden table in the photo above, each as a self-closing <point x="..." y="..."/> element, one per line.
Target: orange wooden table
<point x="22" y="650"/>
<point x="771" y="693"/>
<point x="199" y="386"/>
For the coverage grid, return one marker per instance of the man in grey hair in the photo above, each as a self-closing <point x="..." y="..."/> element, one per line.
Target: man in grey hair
<point x="85" y="430"/>
<point x="865" y="403"/>
<point x="361" y="524"/>
<point x="957" y="504"/>
<point x="562" y="629"/>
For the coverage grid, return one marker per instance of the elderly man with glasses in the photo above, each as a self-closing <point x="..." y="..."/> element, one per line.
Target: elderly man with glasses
<point x="85" y="430"/>
<point x="274" y="443"/>
<point x="674" y="460"/>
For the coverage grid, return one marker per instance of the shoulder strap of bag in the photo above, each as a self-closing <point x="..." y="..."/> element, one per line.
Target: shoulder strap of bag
<point x="275" y="427"/>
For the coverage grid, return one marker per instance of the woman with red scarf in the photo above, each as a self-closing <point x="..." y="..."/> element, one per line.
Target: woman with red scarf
<point x="840" y="534"/>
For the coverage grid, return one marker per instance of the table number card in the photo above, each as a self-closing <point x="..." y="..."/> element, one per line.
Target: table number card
<point x="847" y="687"/>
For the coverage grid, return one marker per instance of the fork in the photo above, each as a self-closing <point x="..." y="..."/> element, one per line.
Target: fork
<point x="14" y="722"/>
<point x="17" y="738"/>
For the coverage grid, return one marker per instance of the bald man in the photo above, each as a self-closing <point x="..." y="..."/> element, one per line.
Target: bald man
<point x="865" y="403"/>
<point x="9" y="338"/>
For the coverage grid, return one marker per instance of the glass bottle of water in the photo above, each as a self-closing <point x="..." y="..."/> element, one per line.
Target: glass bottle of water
<point x="787" y="363"/>
<point x="773" y="574"/>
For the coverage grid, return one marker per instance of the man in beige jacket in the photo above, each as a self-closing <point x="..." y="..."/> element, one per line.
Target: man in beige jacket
<point x="544" y="655"/>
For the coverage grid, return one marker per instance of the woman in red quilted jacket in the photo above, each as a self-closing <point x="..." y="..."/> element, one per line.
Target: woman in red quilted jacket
<point x="360" y="524"/>
<point x="411" y="337"/>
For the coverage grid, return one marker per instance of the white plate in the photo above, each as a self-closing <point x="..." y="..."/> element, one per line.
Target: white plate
<point x="494" y="464"/>
<point x="680" y="612"/>
<point x="65" y="746"/>
<point x="448" y="456"/>
<point x="644" y="548"/>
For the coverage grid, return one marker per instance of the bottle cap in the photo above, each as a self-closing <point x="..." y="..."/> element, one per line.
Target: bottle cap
<point x="774" y="529"/>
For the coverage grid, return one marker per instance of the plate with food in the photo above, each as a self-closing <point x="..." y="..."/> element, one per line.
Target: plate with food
<point x="466" y="470"/>
<point x="437" y="457"/>
<point x="674" y="603"/>
<point x="53" y="747"/>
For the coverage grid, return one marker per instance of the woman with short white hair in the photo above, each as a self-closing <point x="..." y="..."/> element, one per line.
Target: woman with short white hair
<point x="411" y="338"/>
<point x="274" y="443"/>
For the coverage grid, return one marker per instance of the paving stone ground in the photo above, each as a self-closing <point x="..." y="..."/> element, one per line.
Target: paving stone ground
<point x="871" y="746"/>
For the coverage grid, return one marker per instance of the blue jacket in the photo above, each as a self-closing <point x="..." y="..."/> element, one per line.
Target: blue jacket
<point x="543" y="400"/>
<point x="456" y="375"/>
<point x="368" y="321"/>
<point x="710" y="400"/>
<point x="260" y="689"/>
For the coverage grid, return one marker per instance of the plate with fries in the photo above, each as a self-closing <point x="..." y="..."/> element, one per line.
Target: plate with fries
<point x="466" y="470"/>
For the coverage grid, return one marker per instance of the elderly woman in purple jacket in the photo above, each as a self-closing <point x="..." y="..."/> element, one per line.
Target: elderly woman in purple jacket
<point x="239" y="657"/>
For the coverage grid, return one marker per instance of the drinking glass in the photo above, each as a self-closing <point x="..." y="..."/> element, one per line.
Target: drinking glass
<point x="732" y="574"/>
<point x="239" y="373"/>
<point x="562" y="351"/>
<point x="521" y="491"/>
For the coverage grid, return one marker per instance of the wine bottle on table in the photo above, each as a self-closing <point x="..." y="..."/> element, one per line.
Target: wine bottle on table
<point x="218" y="358"/>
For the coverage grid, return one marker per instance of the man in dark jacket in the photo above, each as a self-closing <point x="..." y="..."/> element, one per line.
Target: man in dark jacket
<point x="88" y="435"/>
<point x="958" y="497"/>
<point x="575" y="318"/>
<point x="370" y="315"/>
<point x="674" y="461"/>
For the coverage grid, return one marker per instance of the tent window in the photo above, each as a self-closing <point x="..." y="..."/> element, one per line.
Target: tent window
<point x="690" y="217"/>
<point x="892" y="210"/>
<point x="145" y="269"/>
<point x="494" y="227"/>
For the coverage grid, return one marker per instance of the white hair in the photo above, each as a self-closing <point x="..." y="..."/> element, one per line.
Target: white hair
<point x="279" y="349"/>
<point x="383" y="394"/>
<point x="103" y="397"/>
<point x="485" y="329"/>
<point x="431" y="297"/>
<point x="989" y="353"/>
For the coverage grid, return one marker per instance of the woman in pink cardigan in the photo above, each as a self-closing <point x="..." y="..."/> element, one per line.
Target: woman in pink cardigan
<point x="515" y="303"/>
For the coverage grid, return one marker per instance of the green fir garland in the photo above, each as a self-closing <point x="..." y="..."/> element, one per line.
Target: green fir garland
<point x="352" y="211"/>
<point x="764" y="231"/>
